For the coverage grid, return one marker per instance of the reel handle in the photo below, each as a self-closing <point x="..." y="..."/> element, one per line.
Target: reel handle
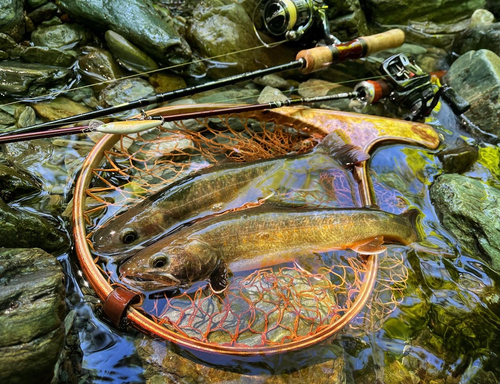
<point x="319" y="58"/>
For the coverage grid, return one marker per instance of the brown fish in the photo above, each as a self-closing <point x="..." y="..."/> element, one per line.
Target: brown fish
<point x="259" y="237"/>
<point x="209" y="191"/>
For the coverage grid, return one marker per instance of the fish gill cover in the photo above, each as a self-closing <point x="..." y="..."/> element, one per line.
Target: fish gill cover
<point x="265" y="309"/>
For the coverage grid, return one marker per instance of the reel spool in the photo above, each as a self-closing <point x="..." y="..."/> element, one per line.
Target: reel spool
<point x="291" y="19"/>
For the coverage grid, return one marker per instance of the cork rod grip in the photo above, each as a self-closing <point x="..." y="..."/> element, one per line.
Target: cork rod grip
<point x="386" y="40"/>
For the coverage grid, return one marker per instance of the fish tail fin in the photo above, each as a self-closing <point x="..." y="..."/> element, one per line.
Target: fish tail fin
<point x="338" y="145"/>
<point x="413" y="216"/>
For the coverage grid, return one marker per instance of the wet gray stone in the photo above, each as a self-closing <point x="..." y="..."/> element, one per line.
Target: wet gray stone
<point x="347" y="19"/>
<point x="479" y="37"/>
<point x="387" y="12"/>
<point x="24" y="229"/>
<point x="44" y="13"/>
<point x="138" y="22"/>
<point x="7" y="43"/>
<point x="30" y="79"/>
<point x="98" y="66"/>
<point x="32" y="301"/>
<point x="128" y="55"/>
<point x="476" y="77"/>
<point x="481" y="17"/>
<point x="274" y="81"/>
<point x="223" y="27"/>
<point x="37" y="3"/>
<point x="14" y="184"/>
<point x="458" y="159"/>
<point x="49" y="56"/>
<point x="470" y="210"/>
<point x="270" y="94"/>
<point x="12" y="18"/>
<point x="124" y="91"/>
<point x="25" y="116"/>
<point x="64" y="36"/>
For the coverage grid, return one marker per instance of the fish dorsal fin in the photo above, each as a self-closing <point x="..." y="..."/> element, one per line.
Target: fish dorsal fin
<point x="371" y="247"/>
<point x="340" y="148"/>
<point x="219" y="278"/>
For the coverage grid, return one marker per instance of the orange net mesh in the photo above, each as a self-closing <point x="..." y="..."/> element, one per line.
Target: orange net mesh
<point x="265" y="307"/>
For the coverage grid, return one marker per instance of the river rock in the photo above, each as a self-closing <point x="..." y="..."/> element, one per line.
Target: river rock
<point x="44" y="13"/>
<point x="470" y="210"/>
<point x="12" y="18"/>
<point x="125" y="91"/>
<point x="387" y="12"/>
<point x="25" y="116"/>
<point x="59" y="108"/>
<point x="128" y="55"/>
<point x="479" y="37"/>
<point x="274" y="81"/>
<point x="166" y="82"/>
<point x="458" y="159"/>
<point x="37" y="3"/>
<point x="220" y="28"/>
<point x="139" y="23"/>
<point x="98" y="66"/>
<point x="270" y="94"/>
<point x="33" y="308"/>
<point x="23" y="79"/>
<point x="347" y="19"/>
<point x="162" y="365"/>
<point x="476" y="76"/>
<point x="481" y="17"/>
<point x="49" y="56"/>
<point x="14" y="184"/>
<point x="7" y="43"/>
<point x="19" y="228"/>
<point x="64" y="36"/>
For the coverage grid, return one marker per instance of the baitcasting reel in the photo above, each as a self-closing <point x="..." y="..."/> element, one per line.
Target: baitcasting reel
<point x="408" y="86"/>
<point x="291" y="19"/>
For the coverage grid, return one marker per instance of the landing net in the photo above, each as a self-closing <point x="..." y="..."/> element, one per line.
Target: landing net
<point x="282" y="307"/>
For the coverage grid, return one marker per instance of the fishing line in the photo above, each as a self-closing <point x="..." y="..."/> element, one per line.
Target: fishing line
<point x="37" y="98"/>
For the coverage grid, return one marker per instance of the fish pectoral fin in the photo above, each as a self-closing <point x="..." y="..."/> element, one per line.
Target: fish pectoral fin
<point x="372" y="247"/>
<point x="218" y="280"/>
<point x="338" y="145"/>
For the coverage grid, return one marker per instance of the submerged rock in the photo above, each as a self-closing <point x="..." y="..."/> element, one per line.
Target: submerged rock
<point x="59" y="108"/>
<point x="165" y="82"/>
<point x="24" y="229"/>
<point x="470" y="210"/>
<point x="476" y="76"/>
<point x="32" y="301"/>
<point x="125" y="91"/>
<point x="22" y="79"/>
<point x="128" y="55"/>
<point x="14" y="184"/>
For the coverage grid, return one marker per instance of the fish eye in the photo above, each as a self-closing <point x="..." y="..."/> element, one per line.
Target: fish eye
<point x="128" y="236"/>
<point x="159" y="260"/>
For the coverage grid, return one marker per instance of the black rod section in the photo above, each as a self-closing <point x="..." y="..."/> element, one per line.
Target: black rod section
<point x="12" y="138"/>
<point x="161" y="97"/>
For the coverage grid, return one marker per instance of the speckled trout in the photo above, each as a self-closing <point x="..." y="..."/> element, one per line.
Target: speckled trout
<point x="260" y="237"/>
<point x="212" y="190"/>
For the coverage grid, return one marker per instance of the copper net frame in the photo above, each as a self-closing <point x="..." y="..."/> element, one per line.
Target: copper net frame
<point x="313" y="122"/>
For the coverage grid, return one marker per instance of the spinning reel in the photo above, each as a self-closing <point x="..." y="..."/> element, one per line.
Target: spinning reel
<point x="291" y="19"/>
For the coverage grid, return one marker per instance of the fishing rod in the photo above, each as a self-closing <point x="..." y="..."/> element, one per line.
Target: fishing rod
<point x="148" y="122"/>
<point x="307" y="61"/>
